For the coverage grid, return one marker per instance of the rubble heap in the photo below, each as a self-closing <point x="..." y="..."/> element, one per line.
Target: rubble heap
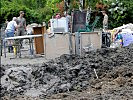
<point x="95" y="69"/>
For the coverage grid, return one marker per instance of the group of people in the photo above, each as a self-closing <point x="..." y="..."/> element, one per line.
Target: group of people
<point x="17" y="24"/>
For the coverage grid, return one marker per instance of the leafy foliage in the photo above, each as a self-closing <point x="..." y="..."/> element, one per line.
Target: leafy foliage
<point x="120" y="13"/>
<point x="35" y="10"/>
<point x="42" y="10"/>
<point x="11" y="9"/>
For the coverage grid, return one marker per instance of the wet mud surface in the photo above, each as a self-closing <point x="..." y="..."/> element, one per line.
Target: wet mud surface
<point x="104" y="74"/>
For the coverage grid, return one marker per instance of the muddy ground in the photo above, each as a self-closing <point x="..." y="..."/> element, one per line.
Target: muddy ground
<point x="104" y="74"/>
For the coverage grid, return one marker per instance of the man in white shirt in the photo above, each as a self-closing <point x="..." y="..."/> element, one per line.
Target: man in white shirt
<point x="10" y="29"/>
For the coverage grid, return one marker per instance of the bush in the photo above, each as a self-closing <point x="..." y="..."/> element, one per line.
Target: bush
<point x="120" y="13"/>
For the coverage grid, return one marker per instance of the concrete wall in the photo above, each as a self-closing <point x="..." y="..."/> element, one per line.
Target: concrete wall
<point x="56" y="45"/>
<point x="59" y="44"/>
<point x="93" y="38"/>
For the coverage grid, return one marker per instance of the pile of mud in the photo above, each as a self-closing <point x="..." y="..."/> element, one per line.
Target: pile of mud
<point x="104" y="74"/>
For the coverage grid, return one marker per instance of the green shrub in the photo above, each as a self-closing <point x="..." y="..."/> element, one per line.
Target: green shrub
<point x="120" y="13"/>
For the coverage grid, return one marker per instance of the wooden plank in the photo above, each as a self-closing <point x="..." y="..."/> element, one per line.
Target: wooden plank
<point x="39" y="42"/>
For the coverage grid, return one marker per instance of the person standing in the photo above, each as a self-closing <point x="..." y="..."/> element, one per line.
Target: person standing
<point x="10" y="30"/>
<point x="6" y="22"/>
<point x="22" y="22"/>
<point x="105" y="20"/>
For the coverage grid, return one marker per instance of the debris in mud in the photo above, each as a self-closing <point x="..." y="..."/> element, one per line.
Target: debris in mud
<point x="112" y="66"/>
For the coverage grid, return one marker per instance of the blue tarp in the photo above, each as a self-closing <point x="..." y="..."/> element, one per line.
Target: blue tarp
<point x="127" y="38"/>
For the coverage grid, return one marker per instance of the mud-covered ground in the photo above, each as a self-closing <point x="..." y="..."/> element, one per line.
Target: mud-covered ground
<point x="104" y="74"/>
